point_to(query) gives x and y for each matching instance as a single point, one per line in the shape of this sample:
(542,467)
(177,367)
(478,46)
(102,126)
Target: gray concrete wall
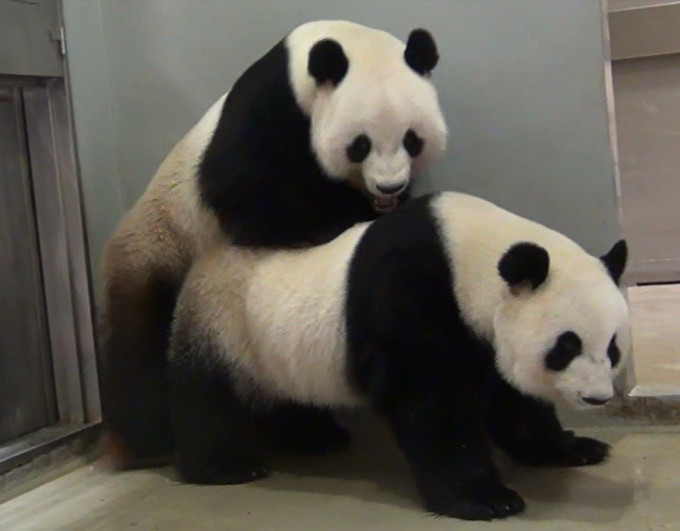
(521,81)
(94,120)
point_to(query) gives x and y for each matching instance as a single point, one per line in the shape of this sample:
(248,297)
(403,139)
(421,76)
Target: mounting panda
(323,131)
(452,317)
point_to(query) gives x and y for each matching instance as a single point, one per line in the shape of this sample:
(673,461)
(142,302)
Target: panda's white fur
(458,322)
(169,222)
(578,296)
(279,316)
(383,110)
(260,168)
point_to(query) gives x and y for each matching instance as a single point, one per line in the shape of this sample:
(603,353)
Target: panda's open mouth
(381,202)
(385,203)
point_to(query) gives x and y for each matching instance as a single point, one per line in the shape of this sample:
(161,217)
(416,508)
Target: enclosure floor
(365,488)
(655,317)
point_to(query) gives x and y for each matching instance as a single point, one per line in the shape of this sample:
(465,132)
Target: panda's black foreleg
(301,429)
(450,460)
(530,432)
(215,433)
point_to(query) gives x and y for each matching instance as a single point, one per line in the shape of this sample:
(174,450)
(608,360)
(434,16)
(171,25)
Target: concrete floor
(365,488)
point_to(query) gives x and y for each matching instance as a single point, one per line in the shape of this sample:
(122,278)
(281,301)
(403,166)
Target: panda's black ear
(524,264)
(615,260)
(421,52)
(327,62)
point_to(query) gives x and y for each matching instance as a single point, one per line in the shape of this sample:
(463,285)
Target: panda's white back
(177,184)
(170,209)
(279,320)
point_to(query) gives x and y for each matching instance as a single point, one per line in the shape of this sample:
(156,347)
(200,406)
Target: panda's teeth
(384,204)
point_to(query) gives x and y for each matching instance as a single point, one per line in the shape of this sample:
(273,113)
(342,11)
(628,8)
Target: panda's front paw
(481,501)
(565,451)
(583,451)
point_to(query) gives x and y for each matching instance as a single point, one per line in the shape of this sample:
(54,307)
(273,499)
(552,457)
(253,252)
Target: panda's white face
(375,116)
(567,339)
(381,132)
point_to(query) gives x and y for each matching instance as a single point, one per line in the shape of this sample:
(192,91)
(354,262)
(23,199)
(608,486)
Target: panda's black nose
(390,189)
(595,401)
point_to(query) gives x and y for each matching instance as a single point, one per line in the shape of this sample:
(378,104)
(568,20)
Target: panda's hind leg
(216,435)
(301,429)
(134,329)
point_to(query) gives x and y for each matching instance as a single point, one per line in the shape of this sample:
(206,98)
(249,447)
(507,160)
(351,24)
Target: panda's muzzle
(385,204)
(393,189)
(388,197)
(594,401)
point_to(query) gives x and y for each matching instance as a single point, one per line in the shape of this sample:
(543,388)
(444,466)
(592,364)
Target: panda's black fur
(410,353)
(260,154)
(246,173)
(407,387)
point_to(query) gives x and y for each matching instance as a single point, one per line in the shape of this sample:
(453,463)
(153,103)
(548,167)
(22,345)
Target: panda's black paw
(566,451)
(485,501)
(243,472)
(585,451)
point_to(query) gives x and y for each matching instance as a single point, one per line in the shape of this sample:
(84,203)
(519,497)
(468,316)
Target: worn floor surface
(366,488)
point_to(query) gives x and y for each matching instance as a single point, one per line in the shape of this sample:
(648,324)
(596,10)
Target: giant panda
(323,131)
(459,322)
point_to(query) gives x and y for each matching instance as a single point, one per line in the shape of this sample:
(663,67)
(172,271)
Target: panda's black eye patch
(413,143)
(359,149)
(613,352)
(567,347)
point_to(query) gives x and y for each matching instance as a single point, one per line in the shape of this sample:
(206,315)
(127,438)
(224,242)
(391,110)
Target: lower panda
(459,322)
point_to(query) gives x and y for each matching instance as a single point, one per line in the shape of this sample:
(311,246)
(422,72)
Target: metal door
(27,40)
(26,390)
